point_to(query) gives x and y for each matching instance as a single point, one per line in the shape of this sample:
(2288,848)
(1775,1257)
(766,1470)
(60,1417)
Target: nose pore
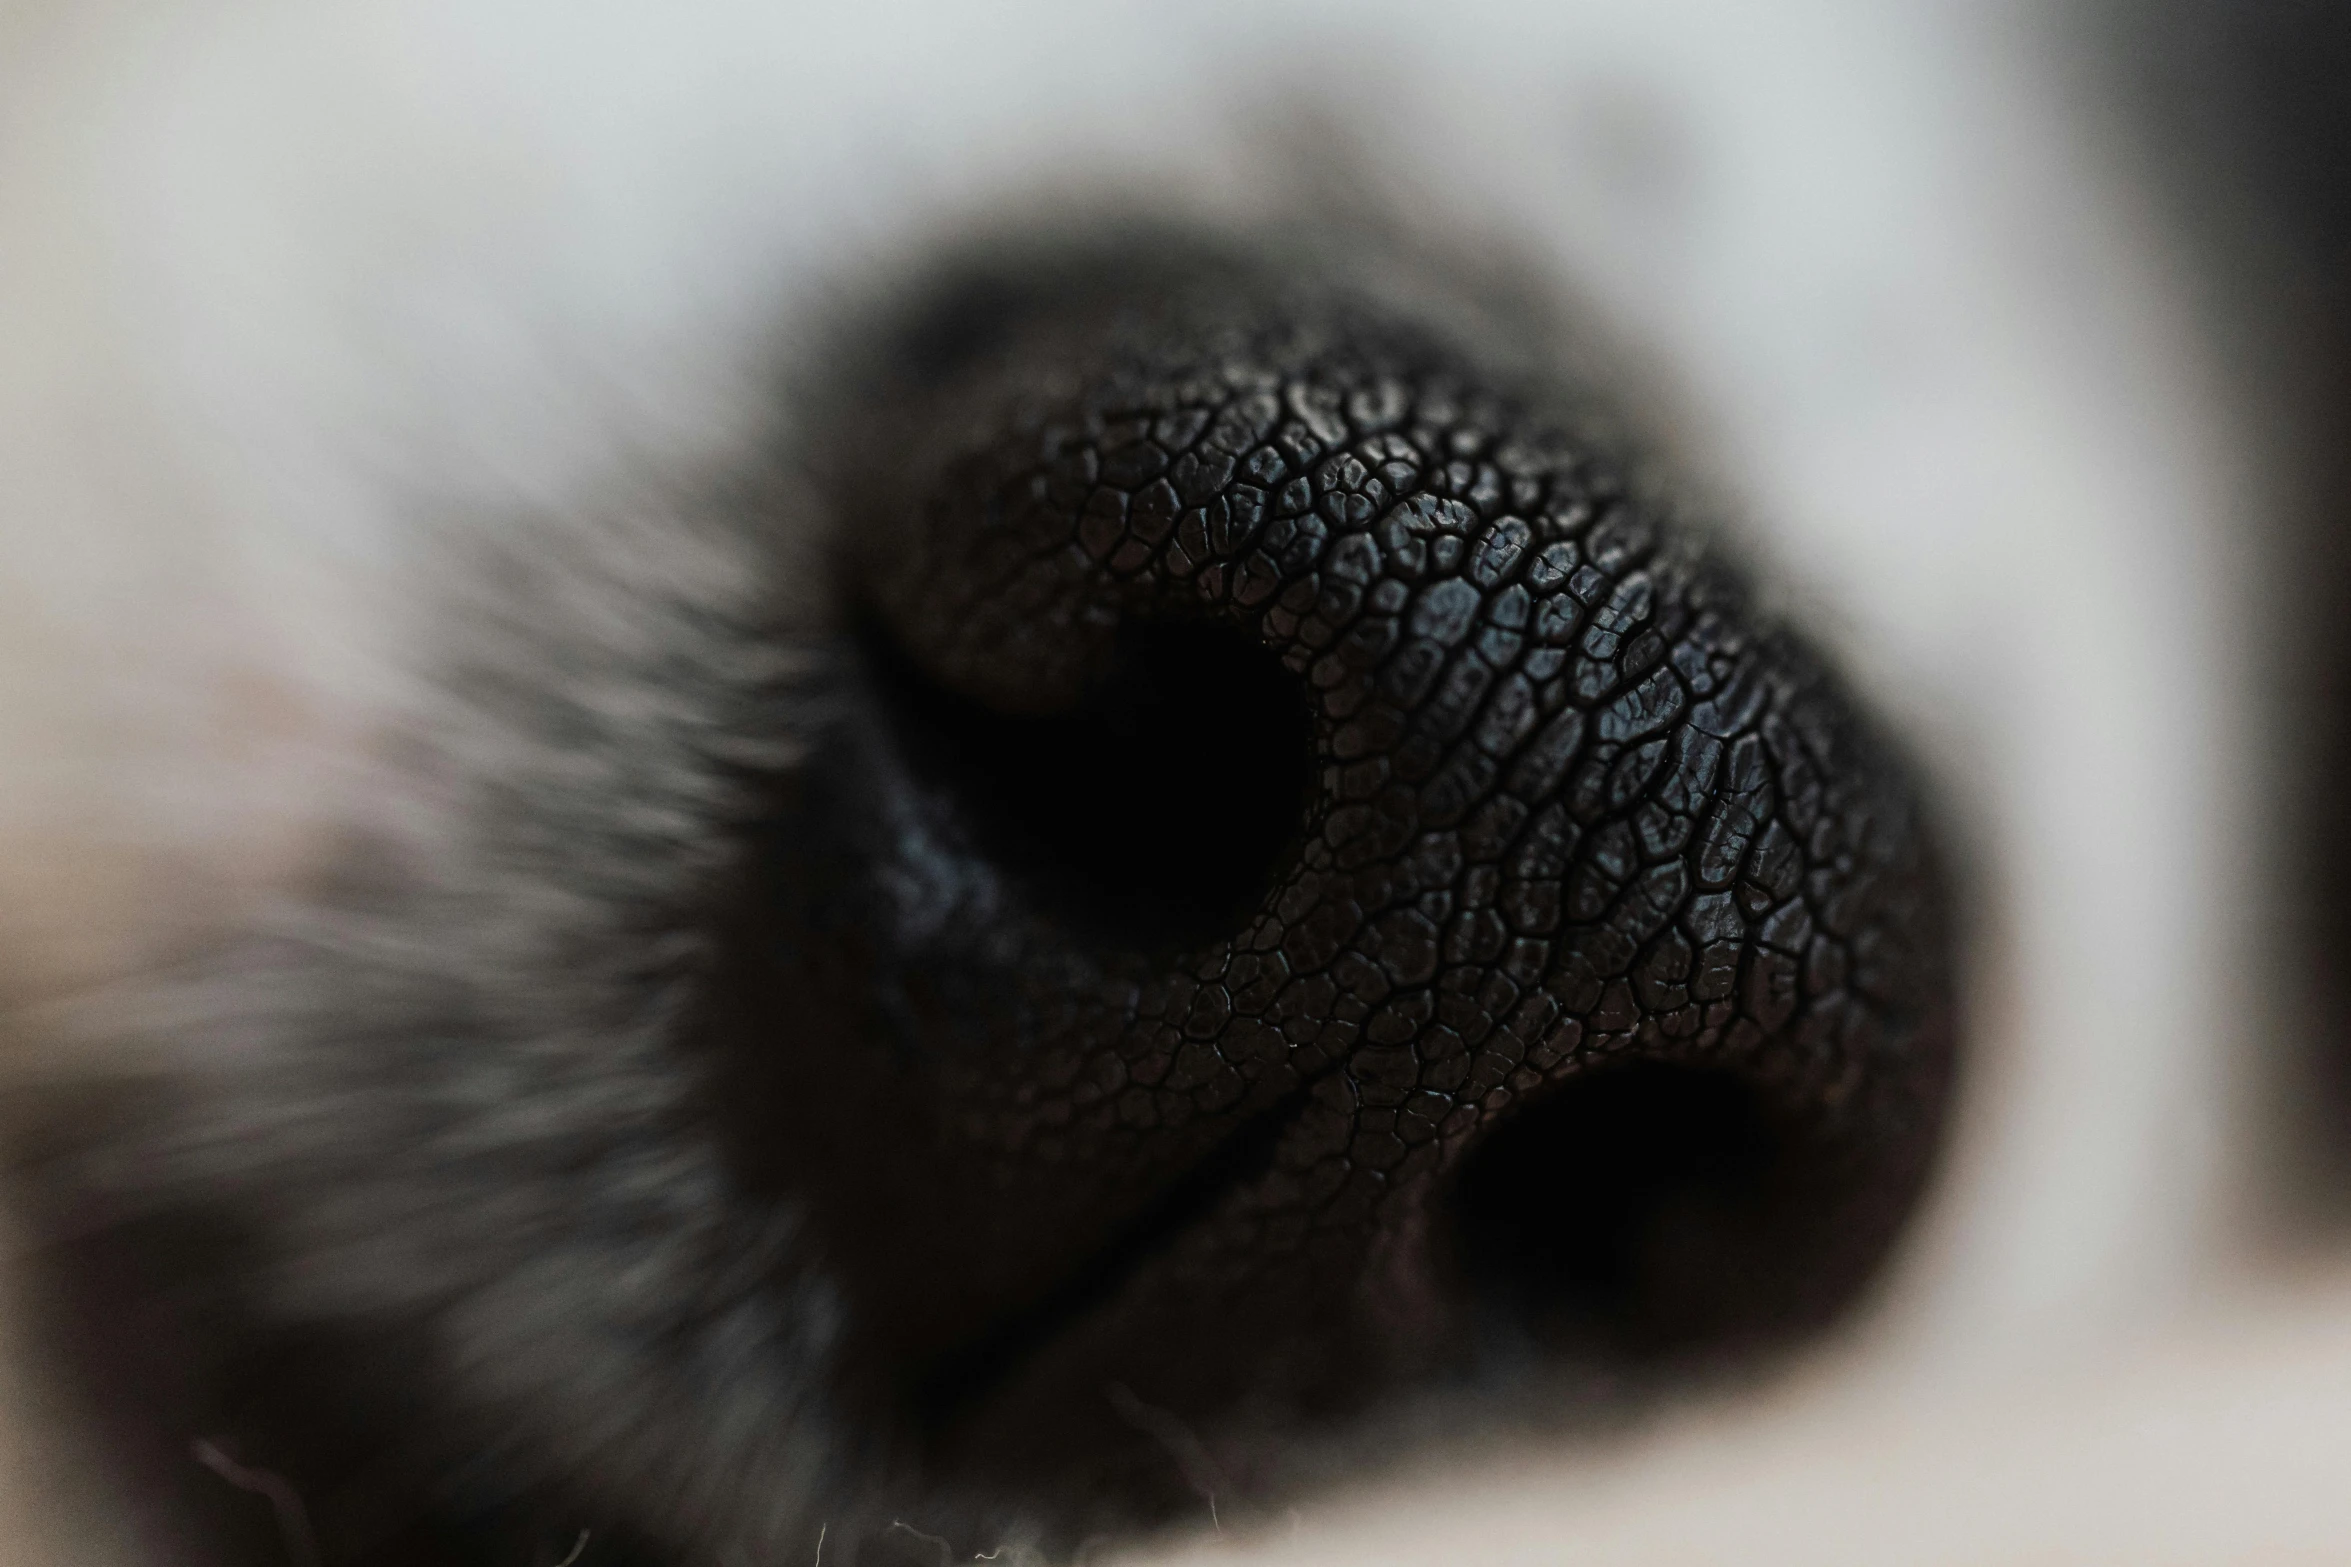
(1317,874)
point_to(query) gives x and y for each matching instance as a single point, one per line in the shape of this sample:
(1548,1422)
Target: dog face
(919,778)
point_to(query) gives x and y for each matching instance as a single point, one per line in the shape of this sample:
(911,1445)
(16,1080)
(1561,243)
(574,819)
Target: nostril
(1642,1210)
(1154,813)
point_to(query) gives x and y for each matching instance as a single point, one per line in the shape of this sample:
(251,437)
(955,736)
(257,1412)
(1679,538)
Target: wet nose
(1315,879)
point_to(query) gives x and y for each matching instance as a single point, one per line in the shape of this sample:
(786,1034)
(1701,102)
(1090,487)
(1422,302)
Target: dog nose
(1315,878)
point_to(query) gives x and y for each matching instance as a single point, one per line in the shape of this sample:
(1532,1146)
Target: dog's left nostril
(1156,811)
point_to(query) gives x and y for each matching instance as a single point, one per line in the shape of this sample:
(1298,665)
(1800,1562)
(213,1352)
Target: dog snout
(1319,879)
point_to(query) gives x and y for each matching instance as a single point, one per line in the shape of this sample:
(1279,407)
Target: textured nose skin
(1552,799)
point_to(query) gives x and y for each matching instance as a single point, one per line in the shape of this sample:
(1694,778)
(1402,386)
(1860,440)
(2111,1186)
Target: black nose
(1316,882)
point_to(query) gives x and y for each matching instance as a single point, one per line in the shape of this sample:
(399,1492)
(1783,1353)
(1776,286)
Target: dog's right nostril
(1643,1211)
